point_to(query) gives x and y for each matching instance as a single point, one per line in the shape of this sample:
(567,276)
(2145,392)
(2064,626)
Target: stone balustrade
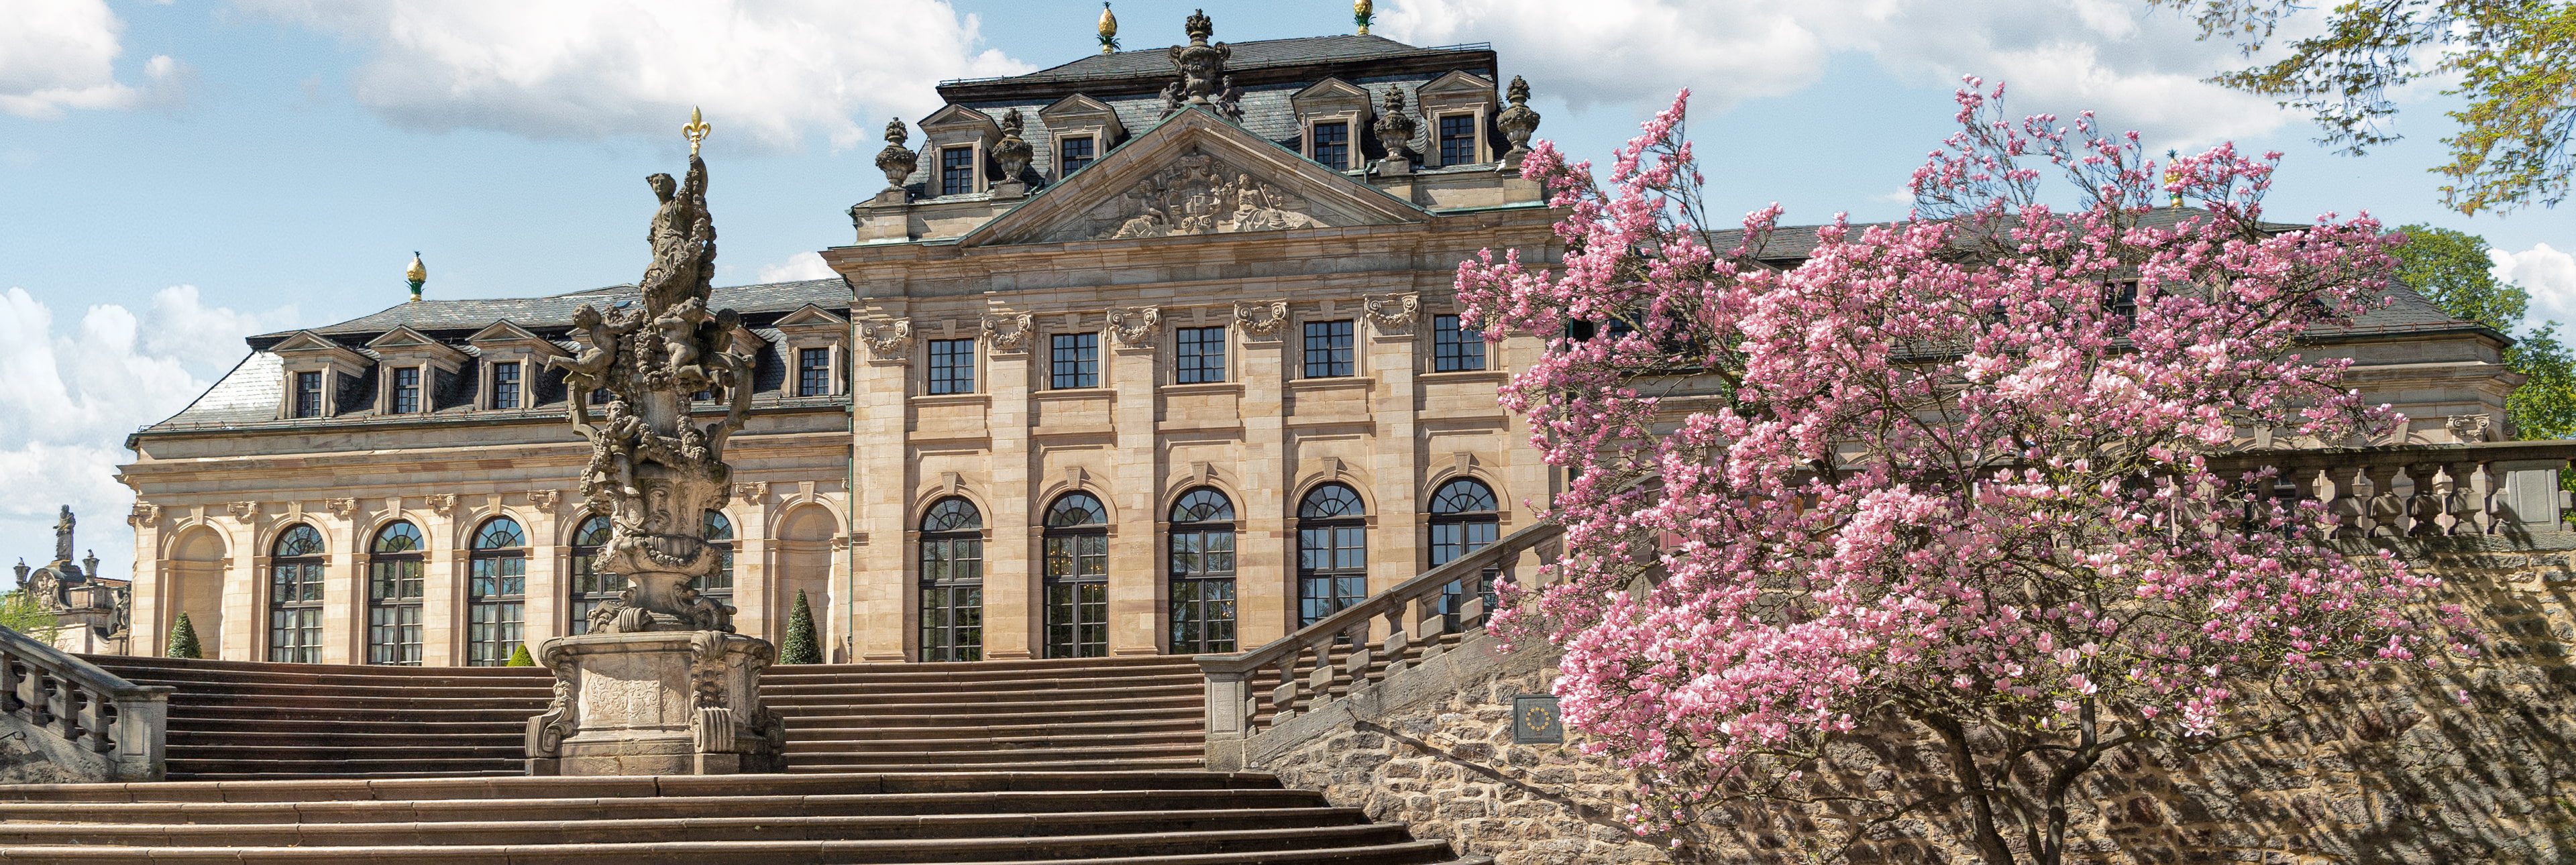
(2501,489)
(1368,641)
(79,723)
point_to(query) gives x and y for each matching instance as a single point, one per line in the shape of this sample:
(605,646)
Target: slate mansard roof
(253,390)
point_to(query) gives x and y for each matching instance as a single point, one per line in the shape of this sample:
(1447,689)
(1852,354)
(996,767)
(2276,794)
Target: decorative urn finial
(2173,176)
(418,274)
(1198,27)
(1108,29)
(1363,12)
(1394,129)
(1011,151)
(1517,122)
(896,160)
(695,131)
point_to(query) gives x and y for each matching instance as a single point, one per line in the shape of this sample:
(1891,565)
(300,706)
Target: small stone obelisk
(661,685)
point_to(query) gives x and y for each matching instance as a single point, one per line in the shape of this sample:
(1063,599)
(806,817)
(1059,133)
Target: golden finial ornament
(1108,29)
(418,274)
(1362,12)
(696,131)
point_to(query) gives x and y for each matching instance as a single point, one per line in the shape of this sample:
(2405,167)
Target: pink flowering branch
(1954,469)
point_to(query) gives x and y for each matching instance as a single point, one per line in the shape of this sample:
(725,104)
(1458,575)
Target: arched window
(590,585)
(1202,569)
(1464,518)
(394,568)
(1077,577)
(496,593)
(952,582)
(1332,552)
(718,585)
(295,597)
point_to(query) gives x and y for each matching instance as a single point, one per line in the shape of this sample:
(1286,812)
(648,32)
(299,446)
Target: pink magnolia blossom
(1942,469)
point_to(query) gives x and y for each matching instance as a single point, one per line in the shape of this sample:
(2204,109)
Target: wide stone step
(324,700)
(1246,851)
(681,829)
(1034,761)
(847,784)
(470,691)
(184,716)
(773,683)
(645,807)
(291,731)
(1017,736)
(1092,708)
(809,715)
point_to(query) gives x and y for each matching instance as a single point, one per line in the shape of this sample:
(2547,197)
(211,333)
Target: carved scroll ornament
(888,341)
(1392,313)
(1010,333)
(1259,320)
(1134,326)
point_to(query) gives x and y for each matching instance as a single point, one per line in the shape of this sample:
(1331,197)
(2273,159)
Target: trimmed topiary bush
(800,647)
(183,640)
(519,657)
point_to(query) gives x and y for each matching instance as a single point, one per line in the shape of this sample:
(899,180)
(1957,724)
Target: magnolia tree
(1953,471)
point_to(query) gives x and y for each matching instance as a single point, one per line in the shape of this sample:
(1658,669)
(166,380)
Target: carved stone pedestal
(656,703)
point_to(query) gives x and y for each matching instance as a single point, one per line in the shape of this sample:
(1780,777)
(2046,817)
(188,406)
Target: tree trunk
(1981,806)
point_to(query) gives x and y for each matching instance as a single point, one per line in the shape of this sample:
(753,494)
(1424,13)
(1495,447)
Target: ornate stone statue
(1197,194)
(63,535)
(896,160)
(1202,67)
(1394,129)
(1011,151)
(1517,122)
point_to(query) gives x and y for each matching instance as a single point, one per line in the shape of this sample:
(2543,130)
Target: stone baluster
(2424,506)
(2482,501)
(1319,681)
(1283,699)
(1393,647)
(2459,494)
(2384,515)
(13,677)
(2338,487)
(40,697)
(1356,662)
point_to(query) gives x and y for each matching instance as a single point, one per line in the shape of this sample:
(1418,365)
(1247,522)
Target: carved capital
(1392,314)
(441,503)
(2467,427)
(1261,320)
(545,500)
(341,508)
(1134,327)
(144,514)
(887,342)
(244,511)
(1009,334)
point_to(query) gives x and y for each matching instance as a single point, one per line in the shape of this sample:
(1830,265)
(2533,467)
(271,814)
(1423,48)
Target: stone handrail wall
(80,723)
(1366,642)
(2491,488)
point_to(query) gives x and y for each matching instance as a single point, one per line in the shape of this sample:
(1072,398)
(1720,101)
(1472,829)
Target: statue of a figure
(63,536)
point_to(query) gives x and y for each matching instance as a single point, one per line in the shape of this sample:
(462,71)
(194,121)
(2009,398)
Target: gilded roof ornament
(1363,12)
(1108,29)
(417,274)
(695,131)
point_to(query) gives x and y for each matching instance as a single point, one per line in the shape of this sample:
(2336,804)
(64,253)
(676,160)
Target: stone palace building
(1114,366)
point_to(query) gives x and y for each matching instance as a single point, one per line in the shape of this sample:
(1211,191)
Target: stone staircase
(1093,817)
(243,720)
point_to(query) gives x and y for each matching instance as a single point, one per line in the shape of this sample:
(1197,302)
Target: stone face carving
(441,503)
(1261,320)
(1394,129)
(896,160)
(653,470)
(1517,123)
(1009,334)
(888,341)
(1198,194)
(1134,326)
(1202,67)
(1392,313)
(1011,151)
(144,514)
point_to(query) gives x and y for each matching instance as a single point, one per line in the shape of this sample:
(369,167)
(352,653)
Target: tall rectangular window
(1076,360)
(1333,145)
(1077,153)
(308,394)
(406,390)
(1454,347)
(505,385)
(496,609)
(1328,349)
(393,611)
(956,170)
(813,372)
(1457,139)
(952,366)
(1199,355)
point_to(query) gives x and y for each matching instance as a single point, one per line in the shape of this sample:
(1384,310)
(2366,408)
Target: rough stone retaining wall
(2392,769)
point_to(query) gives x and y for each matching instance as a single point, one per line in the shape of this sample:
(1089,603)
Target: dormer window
(956,170)
(1457,139)
(406,391)
(813,372)
(1075,153)
(1332,145)
(505,385)
(308,394)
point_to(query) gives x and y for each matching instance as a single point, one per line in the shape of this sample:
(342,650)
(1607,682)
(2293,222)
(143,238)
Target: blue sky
(184,173)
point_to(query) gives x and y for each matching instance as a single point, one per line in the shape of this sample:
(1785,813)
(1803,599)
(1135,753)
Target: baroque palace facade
(1151,352)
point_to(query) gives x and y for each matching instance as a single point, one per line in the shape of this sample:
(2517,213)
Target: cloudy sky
(182,173)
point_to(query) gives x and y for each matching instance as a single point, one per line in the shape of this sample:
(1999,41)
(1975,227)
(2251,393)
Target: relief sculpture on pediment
(1198,194)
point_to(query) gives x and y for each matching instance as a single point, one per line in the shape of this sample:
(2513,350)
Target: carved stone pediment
(1198,194)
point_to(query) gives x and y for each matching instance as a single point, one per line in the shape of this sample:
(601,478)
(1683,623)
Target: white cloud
(61,54)
(71,397)
(2140,70)
(769,73)
(804,265)
(2550,276)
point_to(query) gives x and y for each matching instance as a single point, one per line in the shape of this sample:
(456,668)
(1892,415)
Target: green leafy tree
(20,612)
(800,647)
(2514,62)
(519,657)
(183,640)
(2452,269)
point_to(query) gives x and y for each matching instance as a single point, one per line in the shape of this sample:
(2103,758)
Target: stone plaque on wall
(1534,721)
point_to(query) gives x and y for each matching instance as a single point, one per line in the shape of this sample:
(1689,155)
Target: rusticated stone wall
(2392,768)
